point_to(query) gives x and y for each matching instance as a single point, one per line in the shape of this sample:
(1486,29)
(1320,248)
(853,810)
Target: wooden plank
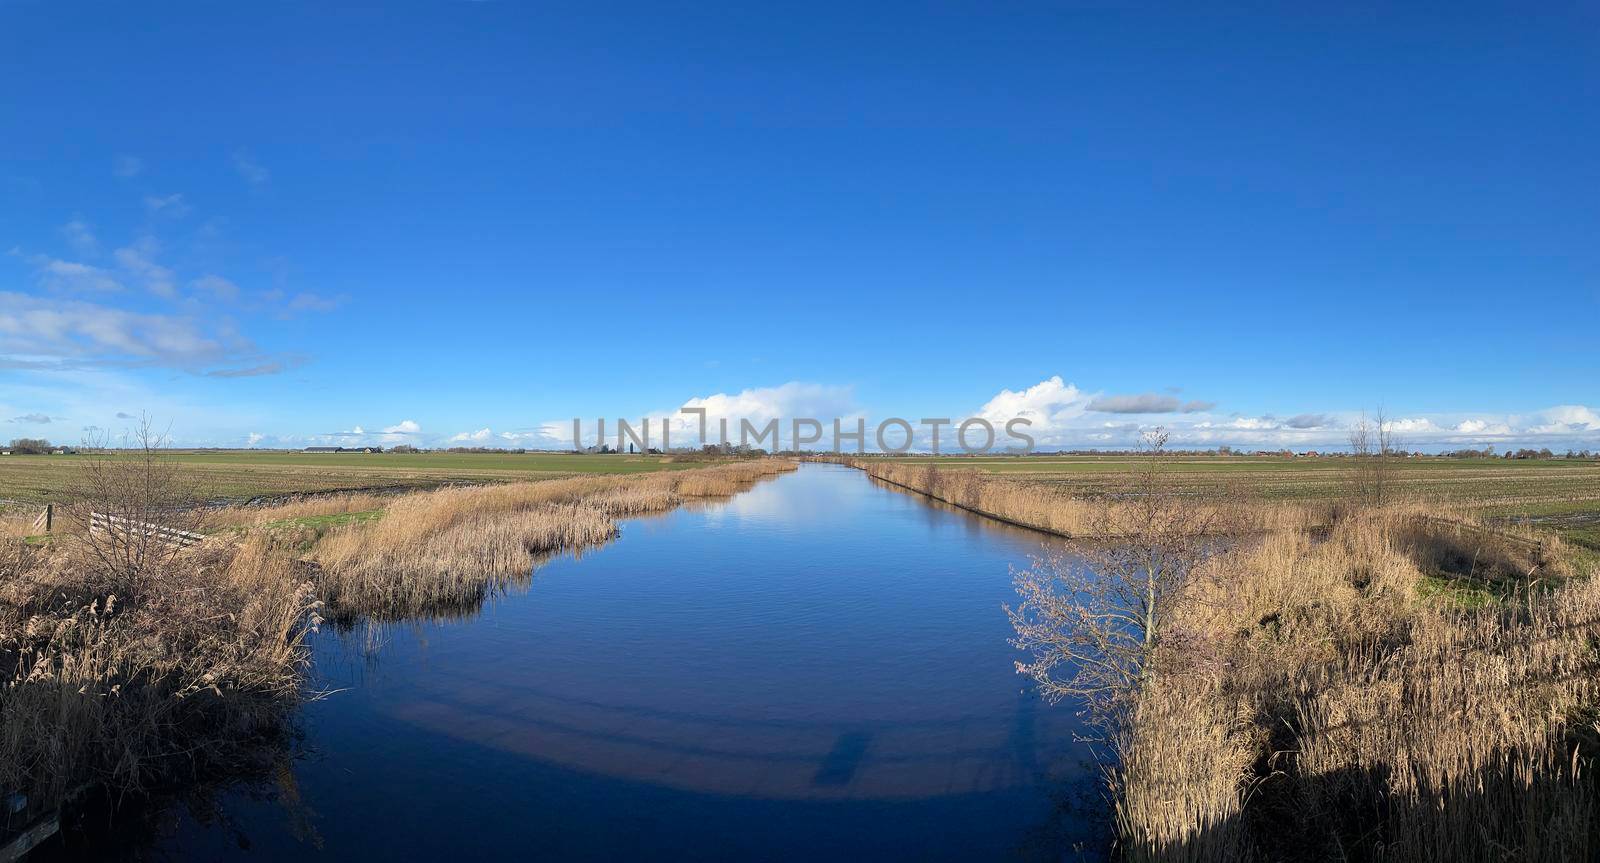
(110,524)
(30,839)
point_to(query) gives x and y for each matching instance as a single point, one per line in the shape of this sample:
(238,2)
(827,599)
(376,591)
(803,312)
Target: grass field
(244,474)
(1564,495)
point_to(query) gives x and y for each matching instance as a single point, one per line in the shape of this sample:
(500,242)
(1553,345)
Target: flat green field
(1564,494)
(244,474)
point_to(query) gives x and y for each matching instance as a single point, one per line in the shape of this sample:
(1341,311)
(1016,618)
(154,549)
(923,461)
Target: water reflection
(814,668)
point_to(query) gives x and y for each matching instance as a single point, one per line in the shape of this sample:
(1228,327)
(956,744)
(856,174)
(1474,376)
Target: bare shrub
(141,492)
(1096,623)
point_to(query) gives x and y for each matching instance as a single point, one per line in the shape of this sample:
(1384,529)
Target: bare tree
(1374,446)
(141,491)
(1095,621)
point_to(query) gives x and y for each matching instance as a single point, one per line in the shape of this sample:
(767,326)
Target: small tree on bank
(1097,621)
(139,488)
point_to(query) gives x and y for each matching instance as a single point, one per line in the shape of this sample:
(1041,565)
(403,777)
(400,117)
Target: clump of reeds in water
(447,550)
(152,672)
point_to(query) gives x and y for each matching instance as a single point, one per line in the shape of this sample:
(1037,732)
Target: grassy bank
(1333,702)
(446,550)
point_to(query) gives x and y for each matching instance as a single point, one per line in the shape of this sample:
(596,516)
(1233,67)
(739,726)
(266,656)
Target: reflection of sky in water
(816,666)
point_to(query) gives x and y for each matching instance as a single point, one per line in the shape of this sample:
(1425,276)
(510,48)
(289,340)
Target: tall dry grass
(1330,702)
(133,679)
(1052,508)
(444,552)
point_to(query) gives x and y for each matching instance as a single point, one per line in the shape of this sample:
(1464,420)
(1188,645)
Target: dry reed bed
(133,678)
(1052,508)
(1323,708)
(446,551)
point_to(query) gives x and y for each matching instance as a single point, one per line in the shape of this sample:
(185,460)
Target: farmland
(1559,493)
(246,474)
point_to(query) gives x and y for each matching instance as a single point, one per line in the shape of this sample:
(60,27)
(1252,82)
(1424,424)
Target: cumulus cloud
(1049,404)
(403,427)
(474,437)
(254,438)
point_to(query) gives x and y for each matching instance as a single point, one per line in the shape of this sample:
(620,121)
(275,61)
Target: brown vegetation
(1054,508)
(1398,683)
(445,551)
(127,663)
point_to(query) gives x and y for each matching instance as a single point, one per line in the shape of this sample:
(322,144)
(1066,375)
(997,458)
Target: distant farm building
(343,449)
(65,450)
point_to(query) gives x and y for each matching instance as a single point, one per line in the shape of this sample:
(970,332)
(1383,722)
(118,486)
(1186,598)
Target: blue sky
(271,223)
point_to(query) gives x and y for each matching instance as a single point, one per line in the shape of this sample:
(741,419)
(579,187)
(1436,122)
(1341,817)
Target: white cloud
(1052,406)
(254,438)
(312,302)
(81,237)
(36,331)
(476,437)
(216,286)
(71,277)
(139,260)
(128,166)
(251,170)
(1064,416)
(403,427)
(167,205)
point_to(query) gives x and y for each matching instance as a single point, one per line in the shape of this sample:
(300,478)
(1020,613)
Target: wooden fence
(106,523)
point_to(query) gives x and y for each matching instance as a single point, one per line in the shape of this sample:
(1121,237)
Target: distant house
(324,449)
(65,450)
(5,452)
(343,449)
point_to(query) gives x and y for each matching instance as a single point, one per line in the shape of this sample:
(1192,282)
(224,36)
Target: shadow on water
(812,669)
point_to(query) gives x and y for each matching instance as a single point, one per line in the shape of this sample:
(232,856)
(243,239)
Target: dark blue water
(817,668)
